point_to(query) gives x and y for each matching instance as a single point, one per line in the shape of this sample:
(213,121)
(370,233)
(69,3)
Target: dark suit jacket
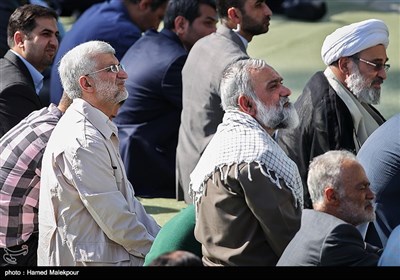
(324,240)
(325,124)
(18,97)
(148,121)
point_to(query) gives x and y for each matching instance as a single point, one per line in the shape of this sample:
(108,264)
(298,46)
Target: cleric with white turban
(353,38)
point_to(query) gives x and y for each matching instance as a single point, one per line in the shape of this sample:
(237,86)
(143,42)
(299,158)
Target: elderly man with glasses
(335,107)
(88,213)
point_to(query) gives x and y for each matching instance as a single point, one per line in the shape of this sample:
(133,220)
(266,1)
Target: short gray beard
(350,214)
(104,90)
(277,117)
(357,85)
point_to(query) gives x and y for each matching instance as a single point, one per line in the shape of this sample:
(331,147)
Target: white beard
(277,117)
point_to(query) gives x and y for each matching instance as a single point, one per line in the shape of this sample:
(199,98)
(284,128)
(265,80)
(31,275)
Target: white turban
(353,38)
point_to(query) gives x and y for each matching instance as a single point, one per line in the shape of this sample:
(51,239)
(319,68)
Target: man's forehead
(43,23)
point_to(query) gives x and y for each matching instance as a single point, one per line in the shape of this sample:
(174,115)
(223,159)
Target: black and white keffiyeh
(240,138)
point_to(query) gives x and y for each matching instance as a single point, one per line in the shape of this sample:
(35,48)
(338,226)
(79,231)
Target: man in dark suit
(33,41)
(148,122)
(342,199)
(201,75)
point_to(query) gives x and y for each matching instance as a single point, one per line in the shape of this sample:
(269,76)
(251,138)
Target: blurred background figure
(391,254)
(74,8)
(305,10)
(7,7)
(380,157)
(118,22)
(149,120)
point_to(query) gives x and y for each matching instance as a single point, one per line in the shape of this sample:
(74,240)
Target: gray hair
(78,62)
(325,170)
(236,80)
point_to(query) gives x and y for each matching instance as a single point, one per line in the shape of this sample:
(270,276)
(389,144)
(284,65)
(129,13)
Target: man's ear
(234,15)
(180,24)
(331,195)
(343,65)
(247,105)
(19,39)
(85,83)
(144,4)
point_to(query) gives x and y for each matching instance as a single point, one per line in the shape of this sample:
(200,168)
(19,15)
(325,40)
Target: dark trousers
(20,255)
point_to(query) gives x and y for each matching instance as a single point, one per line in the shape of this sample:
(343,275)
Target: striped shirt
(21,152)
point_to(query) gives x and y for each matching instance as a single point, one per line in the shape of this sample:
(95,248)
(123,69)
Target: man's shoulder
(216,42)
(317,83)
(318,218)
(214,50)
(45,116)
(155,44)
(9,64)
(111,14)
(316,89)
(13,77)
(8,67)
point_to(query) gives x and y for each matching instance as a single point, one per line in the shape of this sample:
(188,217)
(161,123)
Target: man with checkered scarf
(248,194)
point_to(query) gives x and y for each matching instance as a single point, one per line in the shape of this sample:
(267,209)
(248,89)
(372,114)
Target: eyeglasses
(112,68)
(377,66)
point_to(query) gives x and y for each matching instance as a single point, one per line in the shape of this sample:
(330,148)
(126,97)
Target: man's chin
(122,96)
(291,122)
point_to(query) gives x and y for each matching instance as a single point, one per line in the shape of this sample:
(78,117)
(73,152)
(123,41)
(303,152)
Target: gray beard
(354,216)
(105,90)
(357,85)
(277,117)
